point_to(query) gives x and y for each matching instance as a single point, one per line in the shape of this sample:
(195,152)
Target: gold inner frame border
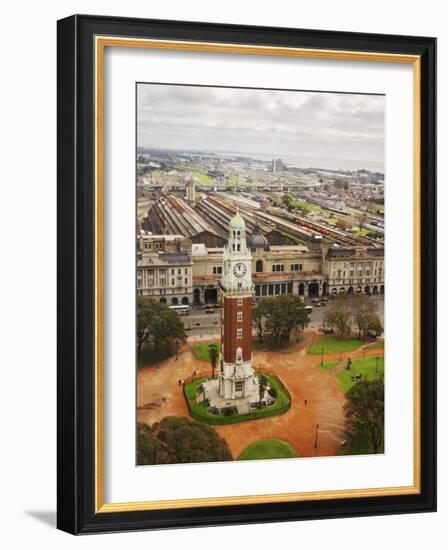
(101,42)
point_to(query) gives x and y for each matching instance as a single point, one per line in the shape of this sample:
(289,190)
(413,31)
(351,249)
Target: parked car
(327,330)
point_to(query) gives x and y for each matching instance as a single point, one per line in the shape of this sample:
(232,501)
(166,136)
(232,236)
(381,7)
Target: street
(200,324)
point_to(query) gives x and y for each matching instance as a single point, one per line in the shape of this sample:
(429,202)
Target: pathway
(159,394)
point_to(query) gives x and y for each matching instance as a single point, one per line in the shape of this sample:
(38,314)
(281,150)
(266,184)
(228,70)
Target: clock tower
(236,377)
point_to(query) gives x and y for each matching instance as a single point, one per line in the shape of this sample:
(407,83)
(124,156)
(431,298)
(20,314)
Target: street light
(317,431)
(322,357)
(376,367)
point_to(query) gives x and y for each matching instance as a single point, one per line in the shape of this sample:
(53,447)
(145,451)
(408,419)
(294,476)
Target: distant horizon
(330,163)
(328,126)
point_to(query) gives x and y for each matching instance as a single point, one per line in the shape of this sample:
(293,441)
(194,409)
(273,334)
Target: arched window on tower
(259,266)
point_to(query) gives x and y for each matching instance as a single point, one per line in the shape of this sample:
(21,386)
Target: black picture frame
(76,254)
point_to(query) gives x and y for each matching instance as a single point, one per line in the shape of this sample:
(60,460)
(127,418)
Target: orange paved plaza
(159,394)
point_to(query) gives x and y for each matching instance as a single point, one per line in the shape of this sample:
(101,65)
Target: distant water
(315,162)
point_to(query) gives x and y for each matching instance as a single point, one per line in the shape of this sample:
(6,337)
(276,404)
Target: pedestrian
(349,363)
(306,401)
(179,382)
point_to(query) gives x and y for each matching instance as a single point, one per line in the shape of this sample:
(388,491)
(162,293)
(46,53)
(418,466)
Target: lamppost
(317,431)
(177,349)
(376,367)
(322,357)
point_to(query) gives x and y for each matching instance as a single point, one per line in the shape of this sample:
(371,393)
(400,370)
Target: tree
(176,440)
(157,323)
(374,324)
(338,316)
(280,315)
(262,385)
(362,220)
(343,224)
(304,209)
(362,311)
(258,317)
(341,184)
(287,200)
(146,311)
(213,353)
(365,410)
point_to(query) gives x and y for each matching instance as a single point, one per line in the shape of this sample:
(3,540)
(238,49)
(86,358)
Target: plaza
(317,397)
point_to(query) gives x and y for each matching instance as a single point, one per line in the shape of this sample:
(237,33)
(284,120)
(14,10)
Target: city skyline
(344,128)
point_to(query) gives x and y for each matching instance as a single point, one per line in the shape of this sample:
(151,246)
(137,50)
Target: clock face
(239,270)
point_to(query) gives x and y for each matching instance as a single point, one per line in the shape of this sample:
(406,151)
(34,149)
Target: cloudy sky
(275,123)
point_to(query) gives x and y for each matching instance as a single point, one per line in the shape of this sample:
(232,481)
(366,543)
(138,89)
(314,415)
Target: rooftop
(237,222)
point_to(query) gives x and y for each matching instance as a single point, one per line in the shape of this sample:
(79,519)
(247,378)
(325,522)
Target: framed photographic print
(246,271)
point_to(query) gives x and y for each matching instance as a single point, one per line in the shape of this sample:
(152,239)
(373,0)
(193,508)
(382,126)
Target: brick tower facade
(236,377)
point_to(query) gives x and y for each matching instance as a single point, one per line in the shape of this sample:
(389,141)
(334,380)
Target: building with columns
(353,270)
(165,269)
(276,269)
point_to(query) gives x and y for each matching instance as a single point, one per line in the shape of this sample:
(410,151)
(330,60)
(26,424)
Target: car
(318,304)
(323,304)
(314,300)
(324,298)
(209,310)
(327,330)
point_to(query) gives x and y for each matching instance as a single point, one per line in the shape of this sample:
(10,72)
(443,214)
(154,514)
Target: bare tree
(339,316)
(362,309)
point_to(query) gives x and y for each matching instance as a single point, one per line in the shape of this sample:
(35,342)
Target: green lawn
(333,344)
(360,446)
(306,206)
(267,448)
(191,389)
(235,180)
(202,178)
(201,351)
(365,366)
(328,365)
(376,345)
(199,410)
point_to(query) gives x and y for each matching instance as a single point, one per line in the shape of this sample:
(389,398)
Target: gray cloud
(288,123)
